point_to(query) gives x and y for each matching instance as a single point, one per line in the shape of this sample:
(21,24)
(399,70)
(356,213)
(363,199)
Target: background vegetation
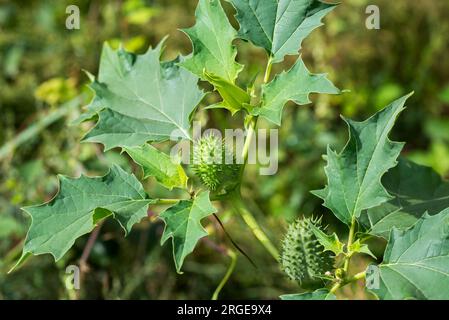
(41,65)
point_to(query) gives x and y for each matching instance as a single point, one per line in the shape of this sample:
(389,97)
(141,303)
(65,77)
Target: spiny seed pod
(303,258)
(214,163)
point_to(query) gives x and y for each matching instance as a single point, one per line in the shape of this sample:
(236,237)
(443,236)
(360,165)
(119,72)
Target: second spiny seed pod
(215,164)
(303,257)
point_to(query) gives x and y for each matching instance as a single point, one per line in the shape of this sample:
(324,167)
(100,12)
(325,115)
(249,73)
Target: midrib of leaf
(261,26)
(429,268)
(127,202)
(344,189)
(114,65)
(410,281)
(216,37)
(220,61)
(161,111)
(183,107)
(406,250)
(418,265)
(78,218)
(188,229)
(222,53)
(182,224)
(387,287)
(162,106)
(427,204)
(399,195)
(401,207)
(187,224)
(383,136)
(136,132)
(53,235)
(291,33)
(383,218)
(285,89)
(82,191)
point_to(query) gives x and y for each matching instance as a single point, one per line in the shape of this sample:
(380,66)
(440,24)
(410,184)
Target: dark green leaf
(140,99)
(294,85)
(78,206)
(279,26)
(416,190)
(416,261)
(183,225)
(354,175)
(212,38)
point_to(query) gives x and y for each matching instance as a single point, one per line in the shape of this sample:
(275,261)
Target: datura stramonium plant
(142,101)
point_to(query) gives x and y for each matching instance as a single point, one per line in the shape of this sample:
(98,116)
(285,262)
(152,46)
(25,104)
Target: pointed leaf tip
(56,225)
(183,225)
(267,23)
(354,175)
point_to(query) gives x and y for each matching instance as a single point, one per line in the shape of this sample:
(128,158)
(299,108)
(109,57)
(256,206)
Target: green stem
(335,287)
(249,139)
(249,219)
(356,277)
(348,256)
(238,204)
(266,78)
(350,241)
(227,275)
(253,122)
(163,202)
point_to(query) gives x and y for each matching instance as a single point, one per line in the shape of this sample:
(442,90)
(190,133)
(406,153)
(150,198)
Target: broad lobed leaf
(416,190)
(279,26)
(354,175)
(416,261)
(294,85)
(183,225)
(212,38)
(78,206)
(140,99)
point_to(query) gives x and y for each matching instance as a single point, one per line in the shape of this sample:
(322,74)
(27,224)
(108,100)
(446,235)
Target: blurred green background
(41,67)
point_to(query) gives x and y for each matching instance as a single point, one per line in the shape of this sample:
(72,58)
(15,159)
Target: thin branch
(88,248)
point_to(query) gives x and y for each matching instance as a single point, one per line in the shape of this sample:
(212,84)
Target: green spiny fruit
(303,257)
(214,163)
